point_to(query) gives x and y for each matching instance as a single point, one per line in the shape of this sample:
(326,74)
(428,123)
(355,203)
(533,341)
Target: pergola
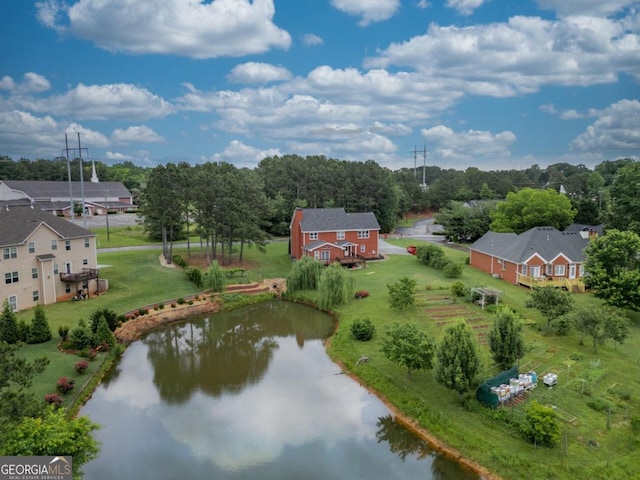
(486,295)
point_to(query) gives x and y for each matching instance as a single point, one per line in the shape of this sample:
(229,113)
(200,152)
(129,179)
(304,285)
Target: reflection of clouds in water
(295,403)
(135,385)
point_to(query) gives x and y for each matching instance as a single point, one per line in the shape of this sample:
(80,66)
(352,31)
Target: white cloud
(369,10)
(586,7)
(311,39)
(449,146)
(520,56)
(254,72)
(242,155)
(423,4)
(195,29)
(99,102)
(136,134)
(117,156)
(24,134)
(465,7)
(617,127)
(32,83)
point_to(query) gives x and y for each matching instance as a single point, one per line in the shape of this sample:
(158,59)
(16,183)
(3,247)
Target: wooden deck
(574,285)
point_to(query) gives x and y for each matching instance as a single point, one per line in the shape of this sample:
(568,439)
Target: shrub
(113,319)
(458,289)
(81,366)
(173,305)
(190,302)
(53,398)
(194,275)
(452,270)
(63,331)
(178,260)
(143,311)
(161,306)
(600,404)
(65,384)
(180,301)
(80,337)
(541,425)
(363,329)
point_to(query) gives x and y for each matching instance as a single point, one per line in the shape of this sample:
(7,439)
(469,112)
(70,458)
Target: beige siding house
(43,258)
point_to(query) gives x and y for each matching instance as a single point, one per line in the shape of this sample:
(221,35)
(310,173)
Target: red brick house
(539,256)
(331,234)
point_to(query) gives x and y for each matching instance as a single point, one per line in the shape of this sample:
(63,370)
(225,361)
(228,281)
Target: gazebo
(485,296)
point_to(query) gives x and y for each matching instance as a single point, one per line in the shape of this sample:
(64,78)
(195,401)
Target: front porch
(574,285)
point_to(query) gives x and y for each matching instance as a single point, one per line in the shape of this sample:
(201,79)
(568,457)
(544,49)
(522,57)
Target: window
(316,255)
(36,295)
(34,273)
(559,270)
(340,235)
(67,288)
(503,265)
(87,243)
(55,268)
(325,254)
(524,270)
(581,270)
(363,233)
(363,248)
(85,261)
(548,271)
(11,277)
(32,247)
(313,235)
(9,252)
(13,303)
(67,245)
(54,244)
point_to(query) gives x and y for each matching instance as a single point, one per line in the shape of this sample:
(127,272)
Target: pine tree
(8,324)
(104,336)
(39,331)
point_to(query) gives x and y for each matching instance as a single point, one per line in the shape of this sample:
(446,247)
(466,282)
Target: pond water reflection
(248,394)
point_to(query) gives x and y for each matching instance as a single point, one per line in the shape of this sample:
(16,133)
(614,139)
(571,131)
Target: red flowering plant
(65,384)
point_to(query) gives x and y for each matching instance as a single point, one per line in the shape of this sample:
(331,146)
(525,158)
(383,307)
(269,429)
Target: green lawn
(611,379)
(611,376)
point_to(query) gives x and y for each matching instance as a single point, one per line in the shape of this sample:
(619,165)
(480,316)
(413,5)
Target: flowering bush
(81,366)
(66,384)
(53,398)
(173,305)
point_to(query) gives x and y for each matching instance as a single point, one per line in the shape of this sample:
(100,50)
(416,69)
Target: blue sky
(495,84)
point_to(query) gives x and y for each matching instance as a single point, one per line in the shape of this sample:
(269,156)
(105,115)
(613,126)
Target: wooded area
(248,205)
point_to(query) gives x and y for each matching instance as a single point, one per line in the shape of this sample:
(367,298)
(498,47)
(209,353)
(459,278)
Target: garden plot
(444,315)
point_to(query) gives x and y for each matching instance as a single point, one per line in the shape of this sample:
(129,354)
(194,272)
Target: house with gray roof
(58,196)
(332,234)
(539,256)
(45,259)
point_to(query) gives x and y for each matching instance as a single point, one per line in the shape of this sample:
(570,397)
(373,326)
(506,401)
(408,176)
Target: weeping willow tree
(304,274)
(215,279)
(335,286)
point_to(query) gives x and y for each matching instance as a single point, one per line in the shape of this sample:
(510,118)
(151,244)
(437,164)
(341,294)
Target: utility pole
(424,165)
(66,151)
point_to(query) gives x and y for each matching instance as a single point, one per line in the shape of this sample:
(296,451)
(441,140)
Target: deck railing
(571,284)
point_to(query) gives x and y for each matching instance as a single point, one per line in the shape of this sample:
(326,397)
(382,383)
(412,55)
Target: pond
(249,394)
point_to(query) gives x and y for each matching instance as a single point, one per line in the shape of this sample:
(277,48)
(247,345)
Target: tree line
(606,194)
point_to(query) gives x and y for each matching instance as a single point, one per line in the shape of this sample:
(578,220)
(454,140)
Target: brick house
(539,256)
(45,259)
(332,234)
